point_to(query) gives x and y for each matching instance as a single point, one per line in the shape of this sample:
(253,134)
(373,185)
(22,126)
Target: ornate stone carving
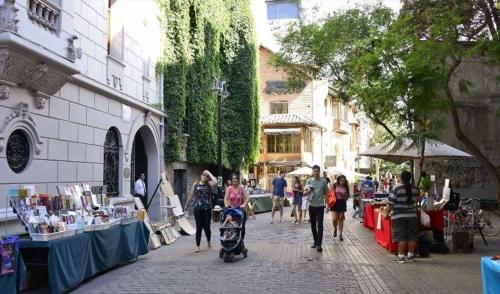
(8,16)
(35,77)
(147,118)
(4,62)
(40,99)
(4,92)
(20,118)
(71,48)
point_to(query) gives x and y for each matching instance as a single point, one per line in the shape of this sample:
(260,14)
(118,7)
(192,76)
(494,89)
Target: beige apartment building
(303,126)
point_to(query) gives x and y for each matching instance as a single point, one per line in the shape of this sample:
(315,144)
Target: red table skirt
(383,234)
(368,220)
(437,220)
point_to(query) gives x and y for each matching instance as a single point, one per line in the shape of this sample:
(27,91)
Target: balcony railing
(45,13)
(340,126)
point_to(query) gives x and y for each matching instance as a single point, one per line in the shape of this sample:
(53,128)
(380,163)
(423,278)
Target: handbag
(286,203)
(425,219)
(332,199)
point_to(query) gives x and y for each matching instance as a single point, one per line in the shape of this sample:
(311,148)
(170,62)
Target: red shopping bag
(331,198)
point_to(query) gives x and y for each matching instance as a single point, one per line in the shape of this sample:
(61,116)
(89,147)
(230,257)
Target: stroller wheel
(228,257)
(245,252)
(221,253)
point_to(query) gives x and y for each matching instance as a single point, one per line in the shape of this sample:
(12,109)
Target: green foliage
(207,39)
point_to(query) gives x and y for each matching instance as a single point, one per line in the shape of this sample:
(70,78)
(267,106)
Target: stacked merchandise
(75,210)
(9,246)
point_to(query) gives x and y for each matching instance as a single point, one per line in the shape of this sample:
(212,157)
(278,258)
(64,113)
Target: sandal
(197,250)
(341,239)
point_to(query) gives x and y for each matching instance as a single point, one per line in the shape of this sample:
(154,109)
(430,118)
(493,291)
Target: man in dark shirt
(278,192)
(325,176)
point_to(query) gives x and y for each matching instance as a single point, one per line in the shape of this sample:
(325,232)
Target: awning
(289,131)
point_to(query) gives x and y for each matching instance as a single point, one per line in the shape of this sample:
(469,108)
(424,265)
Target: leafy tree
(399,70)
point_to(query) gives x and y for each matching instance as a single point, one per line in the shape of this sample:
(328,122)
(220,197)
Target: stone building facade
(80,101)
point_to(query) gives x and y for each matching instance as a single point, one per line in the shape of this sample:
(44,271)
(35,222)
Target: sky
(267,30)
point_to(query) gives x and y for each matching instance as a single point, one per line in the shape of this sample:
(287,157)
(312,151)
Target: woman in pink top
(342,194)
(237,197)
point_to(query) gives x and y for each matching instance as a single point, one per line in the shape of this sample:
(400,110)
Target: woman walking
(237,197)
(341,188)
(298,192)
(305,201)
(202,194)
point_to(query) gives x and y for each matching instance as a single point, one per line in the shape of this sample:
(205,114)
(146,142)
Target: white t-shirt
(140,187)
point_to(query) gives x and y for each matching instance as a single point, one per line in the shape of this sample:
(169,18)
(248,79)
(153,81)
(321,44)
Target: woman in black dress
(341,188)
(298,191)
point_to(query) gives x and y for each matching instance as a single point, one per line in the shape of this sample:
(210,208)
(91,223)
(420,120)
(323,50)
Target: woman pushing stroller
(233,221)
(237,197)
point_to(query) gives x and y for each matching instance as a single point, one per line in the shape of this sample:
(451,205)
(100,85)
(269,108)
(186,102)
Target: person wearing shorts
(278,192)
(404,230)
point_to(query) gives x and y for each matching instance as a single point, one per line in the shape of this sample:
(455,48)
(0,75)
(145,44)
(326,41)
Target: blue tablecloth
(490,271)
(74,259)
(9,284)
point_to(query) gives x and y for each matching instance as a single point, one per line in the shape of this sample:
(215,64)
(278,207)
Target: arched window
(18,151)
(111,163)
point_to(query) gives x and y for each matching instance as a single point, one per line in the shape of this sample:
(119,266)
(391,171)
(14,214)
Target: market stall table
(490,272)
(383,232)
(261,202)
(10,284)
(73,259)
(368,216)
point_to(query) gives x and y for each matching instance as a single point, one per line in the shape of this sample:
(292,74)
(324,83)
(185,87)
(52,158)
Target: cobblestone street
(281,261)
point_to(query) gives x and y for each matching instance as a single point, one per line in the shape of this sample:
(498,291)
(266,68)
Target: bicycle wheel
(488,219)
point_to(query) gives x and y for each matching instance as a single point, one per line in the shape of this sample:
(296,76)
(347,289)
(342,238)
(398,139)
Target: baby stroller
(231,235)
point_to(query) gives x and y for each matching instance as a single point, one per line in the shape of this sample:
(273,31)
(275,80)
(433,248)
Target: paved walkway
(281,261)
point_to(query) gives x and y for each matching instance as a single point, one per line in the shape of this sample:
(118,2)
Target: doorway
(180,185)
(139,161)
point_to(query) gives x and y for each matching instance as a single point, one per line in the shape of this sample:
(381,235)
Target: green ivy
(207,38)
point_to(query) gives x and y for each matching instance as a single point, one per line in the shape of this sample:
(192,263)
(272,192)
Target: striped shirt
(401,208)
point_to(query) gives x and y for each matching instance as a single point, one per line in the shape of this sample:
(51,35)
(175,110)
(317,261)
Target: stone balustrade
(45,13)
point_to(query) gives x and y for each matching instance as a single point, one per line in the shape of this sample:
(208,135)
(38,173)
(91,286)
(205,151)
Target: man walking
(317,206)
(325,176)
(140,189)
(278,192)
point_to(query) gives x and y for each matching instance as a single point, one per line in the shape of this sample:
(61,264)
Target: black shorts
(340,206)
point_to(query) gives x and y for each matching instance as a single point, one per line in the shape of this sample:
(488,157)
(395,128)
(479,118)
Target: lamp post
(219,88)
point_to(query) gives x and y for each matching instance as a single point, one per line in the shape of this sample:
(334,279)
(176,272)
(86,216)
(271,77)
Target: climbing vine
(207,38)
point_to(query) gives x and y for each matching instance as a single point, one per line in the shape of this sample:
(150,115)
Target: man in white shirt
(140,189)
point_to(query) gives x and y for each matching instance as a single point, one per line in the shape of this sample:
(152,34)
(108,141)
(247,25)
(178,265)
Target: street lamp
(219,88)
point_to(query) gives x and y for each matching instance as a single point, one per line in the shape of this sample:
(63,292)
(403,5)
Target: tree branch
(381,123)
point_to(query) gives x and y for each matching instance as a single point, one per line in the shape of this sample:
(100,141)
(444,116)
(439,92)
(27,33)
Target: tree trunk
(421,164)
(471,147)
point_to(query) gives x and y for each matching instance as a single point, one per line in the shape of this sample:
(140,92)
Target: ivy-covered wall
(207,38)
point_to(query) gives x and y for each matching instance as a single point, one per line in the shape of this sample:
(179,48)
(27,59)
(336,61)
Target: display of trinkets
(74,210)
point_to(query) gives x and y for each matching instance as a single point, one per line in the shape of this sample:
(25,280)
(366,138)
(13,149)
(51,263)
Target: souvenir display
(73,211)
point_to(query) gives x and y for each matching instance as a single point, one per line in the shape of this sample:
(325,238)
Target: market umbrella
(406,152)
(303,171)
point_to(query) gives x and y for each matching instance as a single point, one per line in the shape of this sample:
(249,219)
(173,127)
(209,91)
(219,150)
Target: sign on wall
(331,161)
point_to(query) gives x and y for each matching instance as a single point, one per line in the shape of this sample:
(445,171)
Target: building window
(111,162)
(280,107)
(282,9)
(18,151)
(283,144)
(116,35)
